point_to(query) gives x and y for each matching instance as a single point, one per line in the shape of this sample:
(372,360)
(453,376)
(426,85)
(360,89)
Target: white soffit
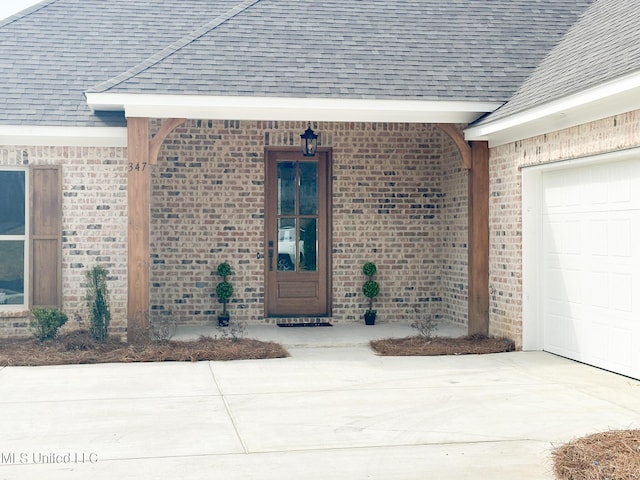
(611,98)
(63,136)
(296,109)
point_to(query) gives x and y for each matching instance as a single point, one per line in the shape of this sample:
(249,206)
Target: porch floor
(338,335)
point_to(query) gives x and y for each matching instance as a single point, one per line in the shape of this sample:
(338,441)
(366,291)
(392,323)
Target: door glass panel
(308,244)
(287,250)
(286,188)
(308,188)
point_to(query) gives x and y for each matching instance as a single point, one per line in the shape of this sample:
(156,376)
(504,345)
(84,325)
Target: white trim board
(63,136)
(608,99)
(293,109)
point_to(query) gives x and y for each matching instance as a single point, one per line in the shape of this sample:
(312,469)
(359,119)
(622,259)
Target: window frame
(24,306)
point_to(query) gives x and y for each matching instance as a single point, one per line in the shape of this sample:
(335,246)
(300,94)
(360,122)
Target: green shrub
(46,322)
(224,291)
(369,269)
(224,269)
(371,289)
(98,302)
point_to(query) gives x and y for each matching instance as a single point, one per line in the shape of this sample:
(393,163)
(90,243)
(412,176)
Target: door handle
(271,259)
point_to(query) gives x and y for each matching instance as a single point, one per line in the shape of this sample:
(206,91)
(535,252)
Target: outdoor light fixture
(309,142)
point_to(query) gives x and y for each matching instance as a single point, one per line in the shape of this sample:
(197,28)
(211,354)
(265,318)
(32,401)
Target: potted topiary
(224,291)
(370,289)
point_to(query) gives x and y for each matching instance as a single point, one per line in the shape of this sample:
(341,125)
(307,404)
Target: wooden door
(297,233)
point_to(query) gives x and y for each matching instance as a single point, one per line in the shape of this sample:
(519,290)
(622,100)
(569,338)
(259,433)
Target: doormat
(308,324)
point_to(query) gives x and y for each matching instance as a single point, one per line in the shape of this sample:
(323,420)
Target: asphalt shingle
(465,50)
(603,45)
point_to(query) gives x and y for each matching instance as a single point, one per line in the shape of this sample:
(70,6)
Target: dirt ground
(78,347)
(612,455)
(418,345)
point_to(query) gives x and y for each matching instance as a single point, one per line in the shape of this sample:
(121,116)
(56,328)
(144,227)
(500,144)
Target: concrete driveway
(324,413)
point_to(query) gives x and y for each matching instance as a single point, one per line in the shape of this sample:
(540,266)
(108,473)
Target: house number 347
(138,167)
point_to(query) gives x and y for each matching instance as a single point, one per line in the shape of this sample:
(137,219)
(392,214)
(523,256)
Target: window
(13,237)
(30,237)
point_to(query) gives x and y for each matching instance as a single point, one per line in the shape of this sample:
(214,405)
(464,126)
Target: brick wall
(399,199)
(505,216)
(390,185)
(94,225)
(455,234)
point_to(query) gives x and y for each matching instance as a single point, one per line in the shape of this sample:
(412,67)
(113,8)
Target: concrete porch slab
(338,335)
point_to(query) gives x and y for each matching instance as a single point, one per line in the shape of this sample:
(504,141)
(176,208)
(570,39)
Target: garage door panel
(621,346)
(554,285)
(590,264)
(620,191)
(622,292)
(573,284)
(554,333)
(620,238)
(593,188)
(614,349)
(552,238)
(599,290)
(573,339)
(597,237)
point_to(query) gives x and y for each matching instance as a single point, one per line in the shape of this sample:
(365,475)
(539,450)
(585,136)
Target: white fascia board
(296,109)
(63,136)
(611,98)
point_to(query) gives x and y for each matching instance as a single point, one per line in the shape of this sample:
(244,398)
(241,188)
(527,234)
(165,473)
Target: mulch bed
(79,348)
(602,456)
(417,346)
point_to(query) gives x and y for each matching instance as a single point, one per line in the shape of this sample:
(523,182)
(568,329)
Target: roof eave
(605,100)
(294,109)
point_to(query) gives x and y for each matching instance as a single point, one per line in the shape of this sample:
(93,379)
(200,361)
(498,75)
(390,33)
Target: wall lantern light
(309,142)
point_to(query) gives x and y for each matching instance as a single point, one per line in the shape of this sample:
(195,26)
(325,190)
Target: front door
(297,257)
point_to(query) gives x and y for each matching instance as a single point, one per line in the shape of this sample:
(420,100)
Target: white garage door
(590,264)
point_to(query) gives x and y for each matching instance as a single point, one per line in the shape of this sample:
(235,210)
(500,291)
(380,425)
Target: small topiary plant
(224,291)
(98,302)
(46,321)
(224,270)
(370,289)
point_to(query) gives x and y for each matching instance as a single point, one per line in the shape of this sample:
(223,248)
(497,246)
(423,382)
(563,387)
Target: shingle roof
(603,45)
(467,50)
(50,57)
